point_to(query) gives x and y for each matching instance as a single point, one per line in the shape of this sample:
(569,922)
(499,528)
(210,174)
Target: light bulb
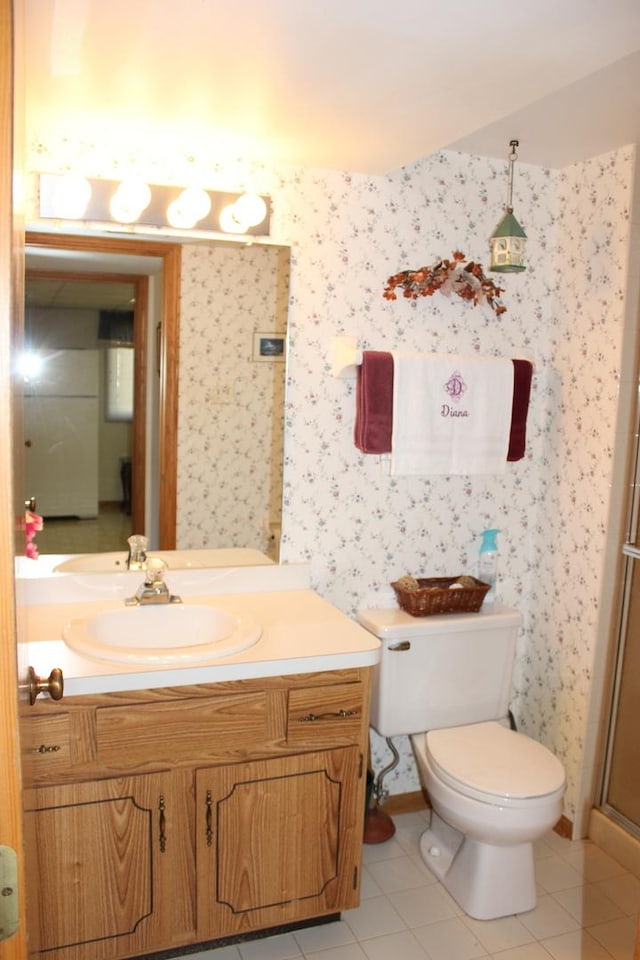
(71,196)
(30,365)
(229,221)
(192,205)
(250,209)
(132,197)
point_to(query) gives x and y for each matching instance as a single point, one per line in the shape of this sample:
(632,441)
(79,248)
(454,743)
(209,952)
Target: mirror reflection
(78,410)
(82,456)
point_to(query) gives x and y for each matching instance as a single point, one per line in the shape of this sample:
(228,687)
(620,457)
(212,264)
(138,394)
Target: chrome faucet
(137,558)
(153,589)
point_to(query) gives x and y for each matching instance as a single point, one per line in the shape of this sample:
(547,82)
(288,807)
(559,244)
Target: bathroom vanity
(167,806)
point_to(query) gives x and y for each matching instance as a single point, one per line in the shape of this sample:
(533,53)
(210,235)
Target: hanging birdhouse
(508,240)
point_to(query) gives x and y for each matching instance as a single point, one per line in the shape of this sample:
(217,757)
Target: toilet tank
(441,671)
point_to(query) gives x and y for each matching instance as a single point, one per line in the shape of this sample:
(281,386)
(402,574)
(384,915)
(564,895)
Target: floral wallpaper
(230,404)
(358,527)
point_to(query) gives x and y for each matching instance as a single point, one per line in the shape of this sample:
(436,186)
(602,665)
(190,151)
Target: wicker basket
(434,596)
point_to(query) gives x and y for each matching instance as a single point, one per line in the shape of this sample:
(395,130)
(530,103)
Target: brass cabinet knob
(53,685)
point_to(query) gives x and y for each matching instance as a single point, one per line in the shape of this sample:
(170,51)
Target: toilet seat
(490,763)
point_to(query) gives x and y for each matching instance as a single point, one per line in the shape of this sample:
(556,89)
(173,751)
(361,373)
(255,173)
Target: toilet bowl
(446,682)
(493,793)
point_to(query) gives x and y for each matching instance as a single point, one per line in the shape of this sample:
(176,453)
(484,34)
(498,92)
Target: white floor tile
(368,886)
(401,873)
(501,934)
(449,940)
(579,945)
(592,863)
(280,947)
(324,936)
(548,918)
(623,890)
(617,936)
(352,951)
(553,873)
(374,918)
(395,946)
(372,852)
(588,905)
(528,951)
(423,905)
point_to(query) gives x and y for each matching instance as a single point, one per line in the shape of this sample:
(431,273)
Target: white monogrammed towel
(451,414)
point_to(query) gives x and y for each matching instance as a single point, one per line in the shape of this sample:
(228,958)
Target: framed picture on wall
(268,346)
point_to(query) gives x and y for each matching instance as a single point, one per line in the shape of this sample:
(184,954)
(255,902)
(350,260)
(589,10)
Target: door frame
(140,286)
(168,345)
(11,299)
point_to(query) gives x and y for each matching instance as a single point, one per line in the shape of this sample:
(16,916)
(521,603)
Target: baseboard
(405,803)
(564,828)
(615,840)
(399,803)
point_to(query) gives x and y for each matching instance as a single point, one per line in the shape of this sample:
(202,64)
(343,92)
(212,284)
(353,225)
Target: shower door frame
(630,555)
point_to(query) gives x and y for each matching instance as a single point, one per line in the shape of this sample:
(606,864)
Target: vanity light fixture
(134,202)
(70,196)
(130,199)
(508,239)
(247,211)
(189,208)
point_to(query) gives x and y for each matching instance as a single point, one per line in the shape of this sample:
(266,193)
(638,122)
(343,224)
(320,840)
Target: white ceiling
(359,85)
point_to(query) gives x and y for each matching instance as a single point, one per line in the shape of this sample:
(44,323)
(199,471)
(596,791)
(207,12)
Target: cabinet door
(278,840)
(110,867)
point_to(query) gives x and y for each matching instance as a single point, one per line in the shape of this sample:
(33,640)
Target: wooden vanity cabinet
(176,816)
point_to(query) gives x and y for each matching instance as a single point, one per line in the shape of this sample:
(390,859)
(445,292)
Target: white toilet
(446,681)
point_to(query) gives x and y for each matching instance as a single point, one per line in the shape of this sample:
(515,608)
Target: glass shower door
(621,798)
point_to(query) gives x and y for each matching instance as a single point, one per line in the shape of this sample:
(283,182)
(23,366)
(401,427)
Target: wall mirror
(195,333)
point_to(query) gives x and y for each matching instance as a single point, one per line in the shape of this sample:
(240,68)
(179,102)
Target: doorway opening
(153,268)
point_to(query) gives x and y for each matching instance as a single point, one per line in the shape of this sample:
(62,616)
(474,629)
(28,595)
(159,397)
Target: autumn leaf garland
(465,279)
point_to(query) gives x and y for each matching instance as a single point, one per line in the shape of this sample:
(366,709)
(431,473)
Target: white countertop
(301,632)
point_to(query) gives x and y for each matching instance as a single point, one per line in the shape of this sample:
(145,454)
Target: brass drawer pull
(162,835)
(209,829)
(339,715)
(43,748)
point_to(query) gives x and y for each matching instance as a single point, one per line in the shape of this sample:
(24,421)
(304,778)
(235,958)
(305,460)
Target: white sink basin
(174,559)
(162,634)
(94,563)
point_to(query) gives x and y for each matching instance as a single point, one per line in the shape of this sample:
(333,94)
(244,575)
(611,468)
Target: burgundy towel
(522,373)
(374,403)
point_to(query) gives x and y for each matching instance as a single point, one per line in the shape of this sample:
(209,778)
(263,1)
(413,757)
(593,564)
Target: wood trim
(73,277)
(564,828)
(399,803)
(168,419)
(11,499)
(168,400)
(139,425)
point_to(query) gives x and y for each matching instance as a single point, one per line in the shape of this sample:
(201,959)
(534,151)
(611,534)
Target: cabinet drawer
(216,728)
(46,747)
(331,714)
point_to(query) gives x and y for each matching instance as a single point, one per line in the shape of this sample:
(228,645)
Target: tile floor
(587,910)
(108,531)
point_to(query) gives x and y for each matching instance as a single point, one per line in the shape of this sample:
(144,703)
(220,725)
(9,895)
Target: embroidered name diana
(447,411)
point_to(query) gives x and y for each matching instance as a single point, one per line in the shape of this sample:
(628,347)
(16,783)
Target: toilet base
(486,881)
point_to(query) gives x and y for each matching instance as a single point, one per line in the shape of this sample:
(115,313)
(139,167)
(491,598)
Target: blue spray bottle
(488,563)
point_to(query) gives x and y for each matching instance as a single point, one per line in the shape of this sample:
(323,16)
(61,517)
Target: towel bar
(346,357)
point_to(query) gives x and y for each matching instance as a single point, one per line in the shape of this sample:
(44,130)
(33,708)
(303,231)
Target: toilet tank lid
(490,759)
(392,623)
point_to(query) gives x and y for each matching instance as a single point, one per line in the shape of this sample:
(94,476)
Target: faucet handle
(137,552)
(156,568)
(138,542)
